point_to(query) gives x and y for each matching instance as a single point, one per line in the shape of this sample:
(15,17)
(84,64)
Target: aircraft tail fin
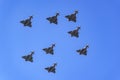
(22,21)
(44,49)
(67,16)
(70,32)
(47,68)
(48,18)
(77,50)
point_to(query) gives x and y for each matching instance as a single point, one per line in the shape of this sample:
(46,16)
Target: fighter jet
(53,19)
(51,68)
(49,49)
(28,57)
(83,50)
(27,22)
(74,33)
(72,17)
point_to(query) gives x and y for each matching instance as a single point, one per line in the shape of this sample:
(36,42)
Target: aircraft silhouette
(53,19)
(49,49)
(51,68)
(72,17)
(83,50)
(28,57)
(74,33)
(27,22)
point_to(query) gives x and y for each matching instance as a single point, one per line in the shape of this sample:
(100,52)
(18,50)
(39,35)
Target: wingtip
(87,46)
(76,12)
(31,17)
(78,27)
(32,52)
(53,45)
(55,64)
(57,14)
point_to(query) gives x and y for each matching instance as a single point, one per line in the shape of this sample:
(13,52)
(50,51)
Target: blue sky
(99,21)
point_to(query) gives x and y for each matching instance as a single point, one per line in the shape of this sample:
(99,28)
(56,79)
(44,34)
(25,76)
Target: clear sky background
(100,28)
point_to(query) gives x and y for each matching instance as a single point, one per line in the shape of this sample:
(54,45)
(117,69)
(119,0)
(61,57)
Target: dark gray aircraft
(27,22)
(52,68)
(28,57)
(74,33)
(72,17)
(83,50)
(49,49)
(53,19)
